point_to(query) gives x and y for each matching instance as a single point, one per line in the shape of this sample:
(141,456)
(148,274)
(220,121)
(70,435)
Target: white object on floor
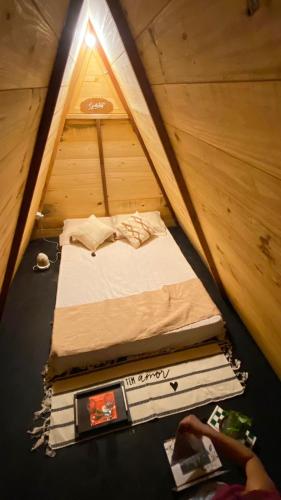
(42,262)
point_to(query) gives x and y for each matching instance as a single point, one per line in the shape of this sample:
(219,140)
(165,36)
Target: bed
(126,302)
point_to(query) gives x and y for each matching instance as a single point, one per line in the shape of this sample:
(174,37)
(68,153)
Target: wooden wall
(75,186)
(28,29)
(94,81)
(57,123)
(215,72)
(114,49)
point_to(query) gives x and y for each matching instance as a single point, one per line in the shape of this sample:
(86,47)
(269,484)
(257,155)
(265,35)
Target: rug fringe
(41,432)
(235,363)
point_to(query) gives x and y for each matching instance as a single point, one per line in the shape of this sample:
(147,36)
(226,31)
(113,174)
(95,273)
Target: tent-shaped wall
(207,112)
(99,165)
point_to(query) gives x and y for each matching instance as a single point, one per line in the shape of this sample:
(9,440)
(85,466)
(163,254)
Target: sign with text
(96,105)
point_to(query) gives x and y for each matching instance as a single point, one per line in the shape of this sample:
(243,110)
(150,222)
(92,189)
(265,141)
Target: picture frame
(101,409)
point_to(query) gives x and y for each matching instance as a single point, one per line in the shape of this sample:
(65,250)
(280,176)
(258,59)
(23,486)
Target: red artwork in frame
(102,408)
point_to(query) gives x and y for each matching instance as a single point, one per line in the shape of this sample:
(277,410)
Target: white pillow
(135,230)
(71,225)
(154,219)
(91,233)
(118,219)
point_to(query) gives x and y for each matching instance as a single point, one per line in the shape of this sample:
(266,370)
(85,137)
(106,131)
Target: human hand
(193,425)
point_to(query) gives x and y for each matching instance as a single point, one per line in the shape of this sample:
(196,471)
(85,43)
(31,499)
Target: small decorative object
(234,424)
(96,105)
(42,262)
(98,409)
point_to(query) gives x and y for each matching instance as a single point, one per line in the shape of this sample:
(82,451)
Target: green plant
(235,424)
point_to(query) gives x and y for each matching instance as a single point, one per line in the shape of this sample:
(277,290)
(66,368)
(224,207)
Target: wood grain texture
(243,119)
(215,73)
(102,167)
(186,42)
(94,82)
(55,16)
(240,210)
(26,33)
(71,190)
(129,85)
(140,13)
(53,12)
(20,112)
(12,182)
(75,187)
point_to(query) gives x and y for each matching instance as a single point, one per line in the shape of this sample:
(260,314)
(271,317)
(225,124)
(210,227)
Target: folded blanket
(99,327)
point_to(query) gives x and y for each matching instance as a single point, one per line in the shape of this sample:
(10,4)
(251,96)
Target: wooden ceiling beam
(102,167)
(139,70)
(41,139)
(131,118)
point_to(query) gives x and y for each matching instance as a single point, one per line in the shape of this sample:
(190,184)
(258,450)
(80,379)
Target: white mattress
(119,270)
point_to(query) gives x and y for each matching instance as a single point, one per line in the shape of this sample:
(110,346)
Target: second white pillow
(135,230)
(91,233)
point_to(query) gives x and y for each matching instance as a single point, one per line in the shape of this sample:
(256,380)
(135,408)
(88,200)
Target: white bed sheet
(119,270)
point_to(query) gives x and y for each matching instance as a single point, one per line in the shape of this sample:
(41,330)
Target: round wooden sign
(96,105)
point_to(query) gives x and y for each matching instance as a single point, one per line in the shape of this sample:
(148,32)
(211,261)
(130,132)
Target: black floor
(129,464)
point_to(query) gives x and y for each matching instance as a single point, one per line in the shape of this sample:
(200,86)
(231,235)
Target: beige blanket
(90,333)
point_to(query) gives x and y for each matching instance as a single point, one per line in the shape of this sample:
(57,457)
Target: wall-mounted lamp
(90,40)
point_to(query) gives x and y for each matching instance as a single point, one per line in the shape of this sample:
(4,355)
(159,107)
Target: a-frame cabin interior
(162,119)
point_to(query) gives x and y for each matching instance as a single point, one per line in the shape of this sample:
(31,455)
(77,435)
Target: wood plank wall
(55,126)
(94,81)
(114,49)
(75,186)
(215,72)
(28,29)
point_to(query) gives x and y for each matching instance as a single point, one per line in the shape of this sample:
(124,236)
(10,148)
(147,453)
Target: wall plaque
(96,105)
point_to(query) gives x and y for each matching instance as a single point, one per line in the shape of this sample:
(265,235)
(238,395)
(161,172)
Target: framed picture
(100,409)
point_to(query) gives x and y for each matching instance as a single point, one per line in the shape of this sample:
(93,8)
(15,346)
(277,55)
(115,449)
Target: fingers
(192,424)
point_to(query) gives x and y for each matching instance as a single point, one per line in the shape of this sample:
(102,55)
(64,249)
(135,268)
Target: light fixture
(90,40)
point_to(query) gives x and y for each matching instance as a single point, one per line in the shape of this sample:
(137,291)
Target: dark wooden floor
(127,464)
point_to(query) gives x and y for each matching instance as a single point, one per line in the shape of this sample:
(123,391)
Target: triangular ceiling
(168,52)
(99,165)
(97,13)
(120,68)
(92,83)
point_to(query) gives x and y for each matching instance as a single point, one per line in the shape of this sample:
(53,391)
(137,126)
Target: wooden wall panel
(94,81)
(215,72)
(74,192)
(21,110)
(58,118)
(129,178)
(27,30)
(129,85)
(186,41)
(25,35)
(240,118)
(75,186)
(141,12)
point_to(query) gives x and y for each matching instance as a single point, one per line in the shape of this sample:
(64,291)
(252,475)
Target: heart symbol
(174,385)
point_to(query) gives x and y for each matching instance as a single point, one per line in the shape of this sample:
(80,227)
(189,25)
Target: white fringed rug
(155,387)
